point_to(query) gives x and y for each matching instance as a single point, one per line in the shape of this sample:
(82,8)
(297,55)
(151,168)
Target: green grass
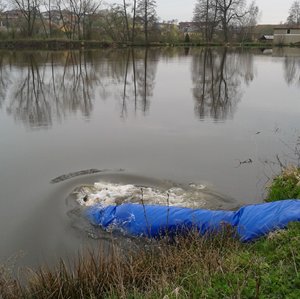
(286,185)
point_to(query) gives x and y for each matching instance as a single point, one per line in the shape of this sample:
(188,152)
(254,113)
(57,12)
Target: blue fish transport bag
(153,221)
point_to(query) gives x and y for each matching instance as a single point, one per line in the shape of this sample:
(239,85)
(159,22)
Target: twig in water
(248,161)
(279,162)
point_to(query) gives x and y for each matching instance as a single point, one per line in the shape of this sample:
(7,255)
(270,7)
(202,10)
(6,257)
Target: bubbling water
(107,193)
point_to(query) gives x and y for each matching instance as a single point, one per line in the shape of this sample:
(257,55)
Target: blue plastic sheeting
(251,222)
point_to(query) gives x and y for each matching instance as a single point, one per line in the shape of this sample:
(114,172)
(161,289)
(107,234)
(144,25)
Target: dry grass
(152,270)
(191,266)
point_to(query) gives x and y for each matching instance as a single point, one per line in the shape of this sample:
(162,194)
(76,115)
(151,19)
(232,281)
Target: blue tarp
(154,221)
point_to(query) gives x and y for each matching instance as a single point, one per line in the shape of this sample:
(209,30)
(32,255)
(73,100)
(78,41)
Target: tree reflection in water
(28,100)
(292,70)
(291,63)
(139,79)
(217,79)
(38,87)
(4,78)
(47,85)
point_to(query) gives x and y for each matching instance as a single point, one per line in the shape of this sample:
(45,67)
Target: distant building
(60,20)
(165,25)
(10,18)
(287,35)
(266,38)
(189,27)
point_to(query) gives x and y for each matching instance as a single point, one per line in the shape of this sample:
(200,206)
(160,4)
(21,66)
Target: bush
(187,38)
(286,185)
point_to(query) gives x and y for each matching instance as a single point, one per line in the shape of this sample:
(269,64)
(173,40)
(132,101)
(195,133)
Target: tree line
(80,19)
(130,21)
(225,16)
(41,92)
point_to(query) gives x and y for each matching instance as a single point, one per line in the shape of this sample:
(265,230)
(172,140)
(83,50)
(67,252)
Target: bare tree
(209,14)
(249,22)
(82,10)
(90,9)
(230,11)
(294,14)
(206,15)
(2,6)
(48,7)
(30,11)
(113,24)
(146,10)
(130,24)
(77,16)
(134,7)
(126,19)
(66,17)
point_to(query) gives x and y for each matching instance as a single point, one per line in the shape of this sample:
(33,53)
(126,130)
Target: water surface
(218,117)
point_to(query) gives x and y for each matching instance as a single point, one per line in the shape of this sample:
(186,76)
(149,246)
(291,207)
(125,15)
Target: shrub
(286,185)
(187,38)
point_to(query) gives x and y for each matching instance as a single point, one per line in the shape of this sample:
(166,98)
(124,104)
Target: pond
(220,118)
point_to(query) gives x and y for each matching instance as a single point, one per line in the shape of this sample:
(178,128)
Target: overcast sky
(272,11)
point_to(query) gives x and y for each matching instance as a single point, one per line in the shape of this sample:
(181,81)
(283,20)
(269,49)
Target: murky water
(171,119)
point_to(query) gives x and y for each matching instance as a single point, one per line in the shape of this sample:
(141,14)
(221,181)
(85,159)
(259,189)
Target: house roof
(287,27)
(267,37)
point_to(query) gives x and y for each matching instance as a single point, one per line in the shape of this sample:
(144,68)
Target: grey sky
(272,11)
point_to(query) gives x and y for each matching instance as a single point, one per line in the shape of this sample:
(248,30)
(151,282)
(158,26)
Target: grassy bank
(61,44)
(215,266)
(286,185)
(53,44)
(192,267)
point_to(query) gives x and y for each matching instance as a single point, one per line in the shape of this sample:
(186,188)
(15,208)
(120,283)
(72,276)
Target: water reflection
(291,64)
(3,80)
(292,70)
(217,77)
(139,80)
(29,101)
(48,85)
(38,87)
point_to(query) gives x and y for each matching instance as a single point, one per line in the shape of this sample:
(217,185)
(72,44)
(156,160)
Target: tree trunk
(146,21)
(126,20)
(133,22)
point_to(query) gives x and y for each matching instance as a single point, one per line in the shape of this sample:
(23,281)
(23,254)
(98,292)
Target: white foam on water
(112,194)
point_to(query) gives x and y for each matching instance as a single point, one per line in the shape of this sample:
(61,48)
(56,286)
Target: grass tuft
(286,185)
